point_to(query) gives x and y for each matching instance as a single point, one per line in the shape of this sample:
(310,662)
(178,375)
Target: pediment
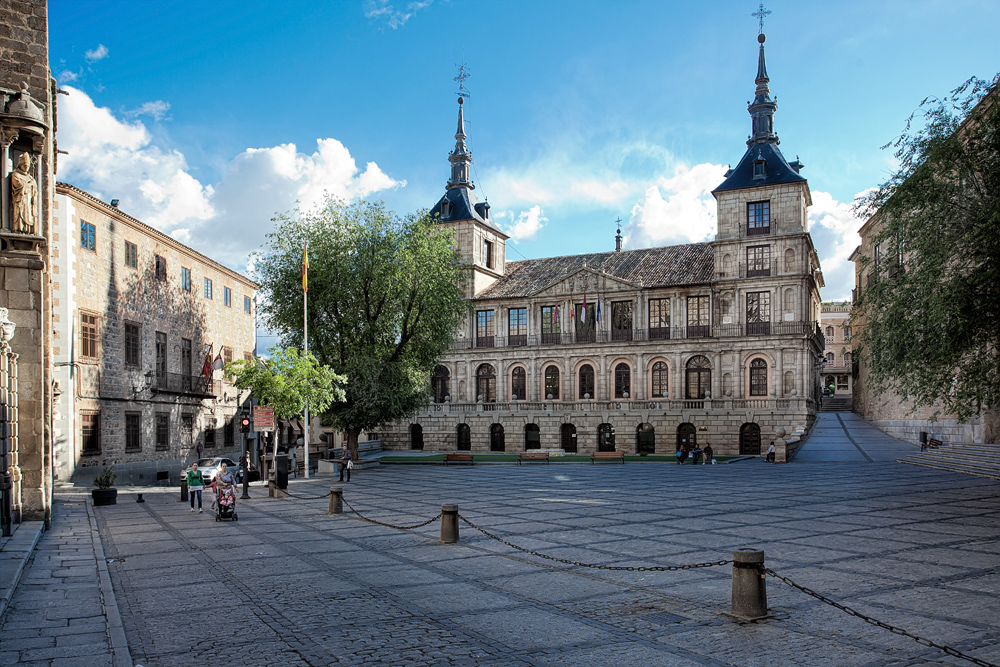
(586,280)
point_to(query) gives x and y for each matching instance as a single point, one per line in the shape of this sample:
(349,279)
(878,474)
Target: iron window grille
(552,382)
(586,381)
(133,431)
(758,377)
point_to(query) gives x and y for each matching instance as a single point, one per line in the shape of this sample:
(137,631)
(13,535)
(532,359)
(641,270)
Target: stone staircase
(837,404)
(981,460)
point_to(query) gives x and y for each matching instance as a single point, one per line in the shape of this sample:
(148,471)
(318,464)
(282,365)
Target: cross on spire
(760,14)
(463,74)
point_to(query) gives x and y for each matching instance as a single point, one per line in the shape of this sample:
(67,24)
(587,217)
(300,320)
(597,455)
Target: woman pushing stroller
(225,494)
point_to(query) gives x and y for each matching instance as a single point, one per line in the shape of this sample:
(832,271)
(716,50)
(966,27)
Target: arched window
(699,377)
(790,301)
(486,384)
(789,382)
(847,358)
(660,387)
(532,437)
(623,380)
(497,443)
(586,381)
(464,438)
(829,333)
(439,384)
(758,377)
(552,382)
(830,358)
(518,386)
(789,260)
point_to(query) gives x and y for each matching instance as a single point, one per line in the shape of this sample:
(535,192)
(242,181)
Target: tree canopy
(930,311)
(288,381)
(385,298)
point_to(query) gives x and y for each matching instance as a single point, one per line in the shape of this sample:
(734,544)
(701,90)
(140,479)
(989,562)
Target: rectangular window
(162,431)
(484,328)
(161,357)
(90,432)
(187,429)
(659,319)
(187,361)
(208,288)
(488,254)
(133,431)
(160,266)
(246,305)
(133,333)
(227,297)
(227,354)
(586,323)
(842,382)
(621,320)
(185,279)
(517,331)
(229,431)
(550,325)
(698,322)
(88,335)
(88,239)
(758,261)
(758,218)
(758,313)
(131,255)
(210,433)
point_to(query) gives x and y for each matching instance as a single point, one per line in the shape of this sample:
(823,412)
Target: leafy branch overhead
(930,293)
(289,381)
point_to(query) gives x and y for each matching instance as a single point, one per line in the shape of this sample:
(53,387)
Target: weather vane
(463,74)
(760,14)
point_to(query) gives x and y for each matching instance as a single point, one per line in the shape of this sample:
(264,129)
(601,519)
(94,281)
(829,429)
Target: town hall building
(635,350)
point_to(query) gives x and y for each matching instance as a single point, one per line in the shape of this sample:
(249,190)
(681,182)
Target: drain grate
(665,618)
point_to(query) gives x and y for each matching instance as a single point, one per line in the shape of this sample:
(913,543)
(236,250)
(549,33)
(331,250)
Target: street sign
(263,418)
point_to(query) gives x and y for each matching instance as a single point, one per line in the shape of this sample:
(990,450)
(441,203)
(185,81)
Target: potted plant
(104,494)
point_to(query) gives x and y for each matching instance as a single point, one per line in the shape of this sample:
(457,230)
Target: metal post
(449,524)
(6,516)
(336,501)
(184,488)
(246,466)
(749,599)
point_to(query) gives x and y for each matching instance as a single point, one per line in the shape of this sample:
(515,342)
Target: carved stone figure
(24,196)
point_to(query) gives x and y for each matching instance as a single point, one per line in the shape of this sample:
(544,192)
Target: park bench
(458,458)
(934,443)
(532,456)
(607,456)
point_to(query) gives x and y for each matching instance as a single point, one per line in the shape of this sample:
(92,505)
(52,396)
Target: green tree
(288,381)
(385,297)
(930,311)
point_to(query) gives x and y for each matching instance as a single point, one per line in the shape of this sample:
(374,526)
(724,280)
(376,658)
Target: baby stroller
(225,504)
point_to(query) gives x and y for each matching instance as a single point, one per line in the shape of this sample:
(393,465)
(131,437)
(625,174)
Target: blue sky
(205,118)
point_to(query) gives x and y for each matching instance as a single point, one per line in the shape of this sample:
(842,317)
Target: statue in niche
(24,197)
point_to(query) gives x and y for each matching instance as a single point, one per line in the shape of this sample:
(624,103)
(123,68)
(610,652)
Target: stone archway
(750,439)
(687,435)
(645,439)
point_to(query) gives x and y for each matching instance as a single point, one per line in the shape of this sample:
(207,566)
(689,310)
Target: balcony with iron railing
(184,384)
(797,328)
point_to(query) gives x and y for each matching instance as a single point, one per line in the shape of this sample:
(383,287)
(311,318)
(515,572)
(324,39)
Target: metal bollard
(184,490)
(336,502)
(749,587)
(139,499)
(449,524)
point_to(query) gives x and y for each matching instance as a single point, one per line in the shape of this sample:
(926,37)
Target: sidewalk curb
(121,657)
(7,593)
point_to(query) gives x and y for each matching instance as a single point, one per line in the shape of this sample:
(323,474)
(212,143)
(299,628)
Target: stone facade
(27,168)
(839,353)
(134,318)
(637,350)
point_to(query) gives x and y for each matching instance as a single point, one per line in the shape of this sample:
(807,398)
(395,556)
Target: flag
(584,311)
(218,364)
(305,266)
(555,314)
(598,310)
(206,368)
(572,309)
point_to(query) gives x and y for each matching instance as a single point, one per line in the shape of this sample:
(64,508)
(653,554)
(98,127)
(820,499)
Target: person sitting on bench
(769,458)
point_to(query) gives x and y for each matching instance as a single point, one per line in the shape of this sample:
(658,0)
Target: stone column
(7,136)
(678,389)
(779,374)
(639,390)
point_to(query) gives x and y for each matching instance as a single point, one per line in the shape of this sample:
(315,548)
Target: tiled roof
(776,169)
(653,267)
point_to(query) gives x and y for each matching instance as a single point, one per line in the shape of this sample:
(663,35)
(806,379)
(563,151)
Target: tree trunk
(352,441)
(991,425)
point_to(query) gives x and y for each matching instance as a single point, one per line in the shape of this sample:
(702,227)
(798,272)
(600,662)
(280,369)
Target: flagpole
(305,340)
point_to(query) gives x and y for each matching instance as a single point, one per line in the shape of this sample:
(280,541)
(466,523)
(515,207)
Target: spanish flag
(305,266)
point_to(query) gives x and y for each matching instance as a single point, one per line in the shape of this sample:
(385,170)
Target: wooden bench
(607,456)
(532,456)
(458,458)
(934,443)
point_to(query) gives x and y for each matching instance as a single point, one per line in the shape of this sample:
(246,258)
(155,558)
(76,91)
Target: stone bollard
(184,490)
(749,587)
(336,501)
(139,499)
(449,524)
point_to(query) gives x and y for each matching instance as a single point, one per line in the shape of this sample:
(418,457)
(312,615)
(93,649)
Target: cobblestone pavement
(289,585)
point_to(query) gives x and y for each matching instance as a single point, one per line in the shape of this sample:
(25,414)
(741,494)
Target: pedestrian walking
(195,483)
(346,463)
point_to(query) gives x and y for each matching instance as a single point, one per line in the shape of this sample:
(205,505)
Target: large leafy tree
(288,381)
(931,305)
(385,296)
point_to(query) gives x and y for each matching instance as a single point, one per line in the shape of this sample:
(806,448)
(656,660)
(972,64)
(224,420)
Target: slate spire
(763,107)
(460,158)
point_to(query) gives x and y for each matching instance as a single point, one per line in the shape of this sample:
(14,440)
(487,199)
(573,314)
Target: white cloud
(157,109)
(834,228)
(384,10)
(66,76)
(679,209)
(525,224)
(117,158)
(93,55)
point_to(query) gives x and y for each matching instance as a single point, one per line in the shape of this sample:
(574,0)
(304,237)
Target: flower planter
(105,496)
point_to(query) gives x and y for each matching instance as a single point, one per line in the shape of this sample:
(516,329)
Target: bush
(106,479)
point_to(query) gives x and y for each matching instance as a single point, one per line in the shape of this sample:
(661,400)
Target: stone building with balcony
(838,357)
(635,350)
(135,316)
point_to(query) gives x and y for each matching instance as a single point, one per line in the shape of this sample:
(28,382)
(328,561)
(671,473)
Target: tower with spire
(481,244)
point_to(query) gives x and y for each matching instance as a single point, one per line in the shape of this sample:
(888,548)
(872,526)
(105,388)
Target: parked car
(210,467)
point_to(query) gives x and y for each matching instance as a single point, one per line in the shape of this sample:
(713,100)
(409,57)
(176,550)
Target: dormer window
(445,208)
(758,168)
(488,254)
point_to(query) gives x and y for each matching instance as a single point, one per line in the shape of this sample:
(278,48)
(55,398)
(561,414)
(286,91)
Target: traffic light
(245,423)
